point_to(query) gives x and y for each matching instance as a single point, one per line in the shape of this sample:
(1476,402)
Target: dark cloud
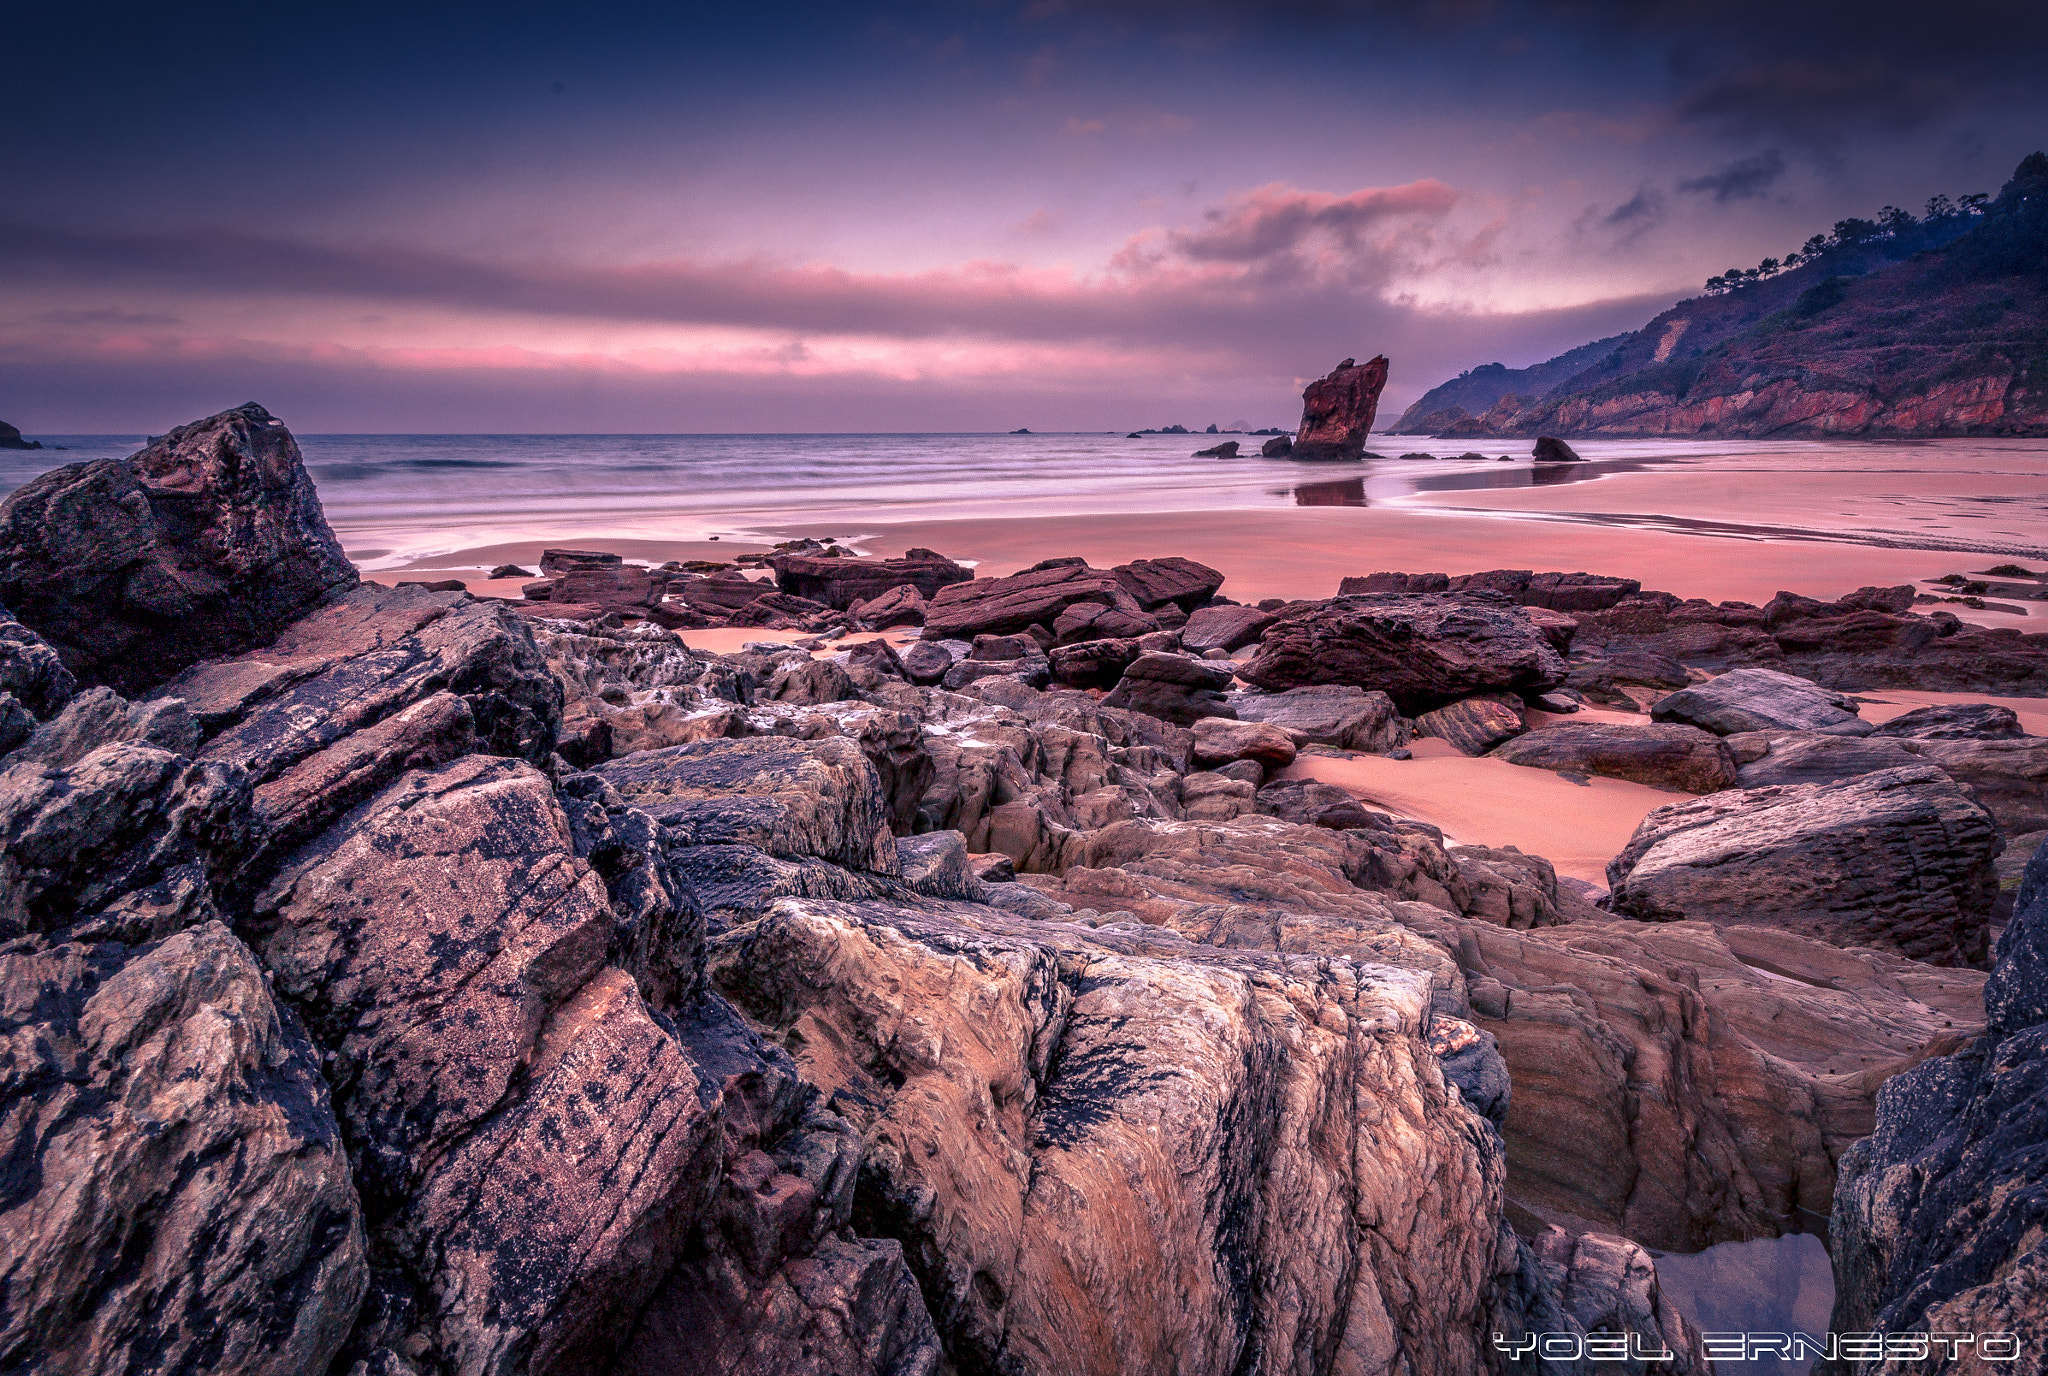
(1817,100)
(1743,180)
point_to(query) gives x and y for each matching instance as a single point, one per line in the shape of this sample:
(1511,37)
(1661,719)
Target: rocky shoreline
(403,981)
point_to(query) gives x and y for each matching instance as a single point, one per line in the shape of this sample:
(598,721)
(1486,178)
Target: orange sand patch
(1577,827)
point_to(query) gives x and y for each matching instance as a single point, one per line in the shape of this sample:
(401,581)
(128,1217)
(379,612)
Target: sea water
(398,498)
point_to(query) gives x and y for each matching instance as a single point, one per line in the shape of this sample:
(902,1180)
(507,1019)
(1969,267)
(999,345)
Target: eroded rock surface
(1663,756)
(1900,859)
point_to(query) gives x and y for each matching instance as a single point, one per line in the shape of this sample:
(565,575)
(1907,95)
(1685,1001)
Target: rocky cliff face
(1950,341)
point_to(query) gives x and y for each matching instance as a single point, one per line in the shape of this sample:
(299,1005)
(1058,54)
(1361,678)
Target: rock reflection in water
(1767,1285)
(1341,492)
(1524,475)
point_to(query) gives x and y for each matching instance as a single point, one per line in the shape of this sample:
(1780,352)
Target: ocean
(397,499)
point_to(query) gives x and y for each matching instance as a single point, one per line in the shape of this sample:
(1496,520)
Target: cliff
(1922,328)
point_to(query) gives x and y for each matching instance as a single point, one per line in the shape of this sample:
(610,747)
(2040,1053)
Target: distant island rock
(1899,326)
(10,438)
(1020,430)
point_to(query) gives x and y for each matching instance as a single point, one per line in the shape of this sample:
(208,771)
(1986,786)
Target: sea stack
(10,438)
(1337,411)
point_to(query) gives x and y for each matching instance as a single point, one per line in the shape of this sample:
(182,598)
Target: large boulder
(1900,860)
(1474,725)
(2008,778)
(1663,756)
(1334,714)
(1814,757)
(1422,650)
(1153,583)
(1220,741)
(1955,721)
(1036,597)
(205,543)
(1762,700)
(178,1196)
(1337,411)
(1940,1221)
(1173,688)
(1224,628)
(839,583)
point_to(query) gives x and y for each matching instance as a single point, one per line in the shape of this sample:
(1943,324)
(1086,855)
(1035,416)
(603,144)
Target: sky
(1054,214)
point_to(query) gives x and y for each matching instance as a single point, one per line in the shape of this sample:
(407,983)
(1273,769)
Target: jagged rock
(1223,628)
(1156,583)
(1337,411)
(1086,621)
(877,655)
(10,438)
(31,671)
(1938,1217)
(1900,859)
(1511,889)
(178,1198)
(1092,663)
(1220,741)
(1762,700)
(1335,714)
(722,594)
(1422,650)
(374,683)
(1033,670)
(1130,1108)
(839,583)
(902,605)
(789,798)
(1576,592)
(1036,597)
(1173,688)
(1225,450)
(1550,449)
(1663,756)
(1279,447)
(1474,725)
(1955,721)
(563,560)
(1393,582)
(206,542)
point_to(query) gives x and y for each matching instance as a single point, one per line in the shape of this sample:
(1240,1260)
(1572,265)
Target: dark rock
(1394,582)
(1550,449)
(839,583)
(1664,756)
(31,670)
(789,798)
(1279,447)
(1474,725)
(1421,650)
(877,656)
(1004,647)
(436,585)
(509,571)
(1094,621)
(937,865)
(1224,628)
(902,605)
(1225,450)
(1807,757)
(1308,803)
(1220,741)
(926,663)
(1092,663)
(1900,860)
(178,1196)
(1173,688)
(1576,592)
(1033,670)
(1038,596)
(1956,721)
(2008,778)
(1154,583)
(1939,1214)
(10,438)
(205,543)
(562,560)
(1761,700)
(809,682)
(1337,411)
(724,593)
(1338,715)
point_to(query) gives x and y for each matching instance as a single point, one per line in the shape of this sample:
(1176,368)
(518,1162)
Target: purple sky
(976,216)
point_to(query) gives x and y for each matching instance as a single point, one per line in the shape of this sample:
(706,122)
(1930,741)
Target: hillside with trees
(1935,324)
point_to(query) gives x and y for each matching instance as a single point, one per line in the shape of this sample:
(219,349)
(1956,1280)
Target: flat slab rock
(1900,860)
(1762,700)
(1334,714)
